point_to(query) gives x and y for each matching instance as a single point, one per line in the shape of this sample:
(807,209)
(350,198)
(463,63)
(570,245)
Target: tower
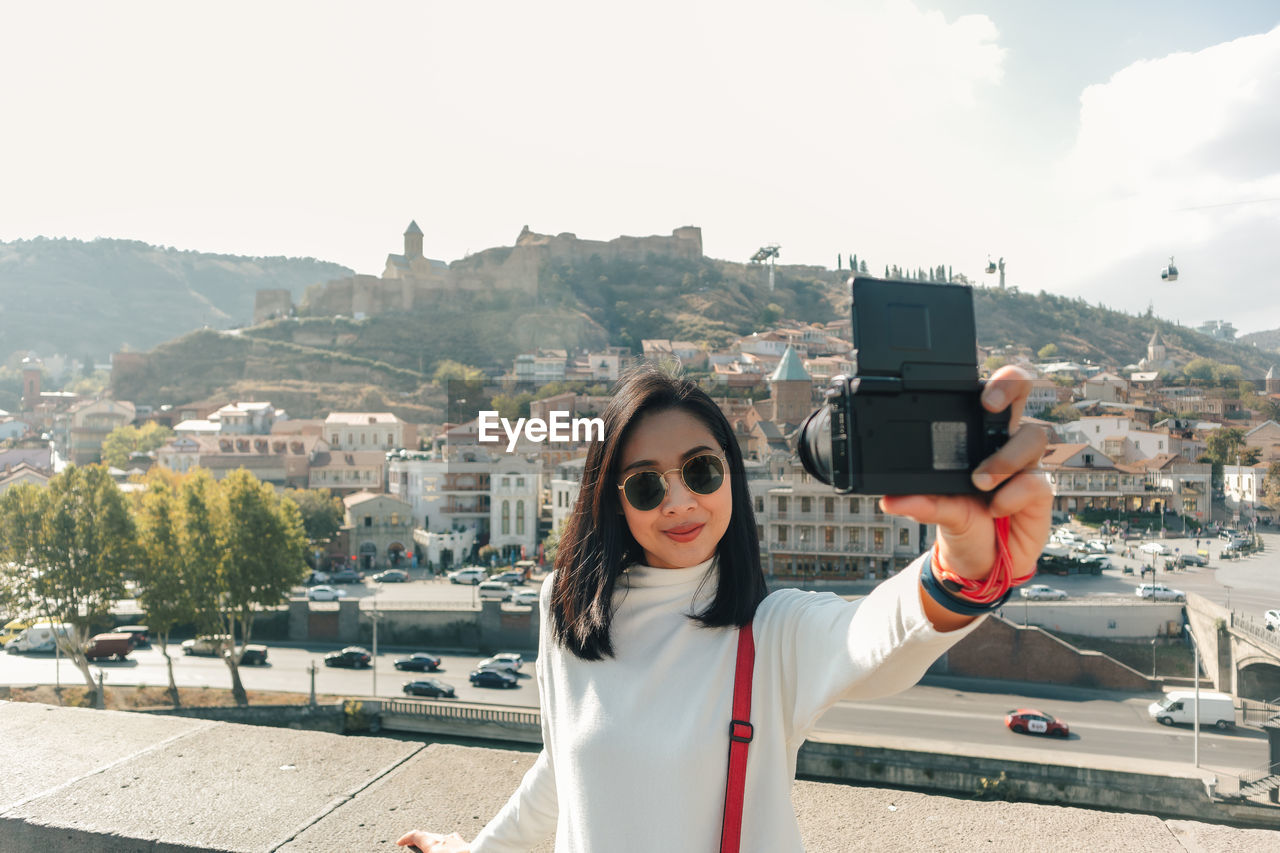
(791,389)
(412,241)
(32,368)
(1155,349)
(1272,382)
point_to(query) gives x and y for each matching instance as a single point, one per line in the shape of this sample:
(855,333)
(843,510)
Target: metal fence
(469,713)
(1255,713)
(383,604)
(1255,630)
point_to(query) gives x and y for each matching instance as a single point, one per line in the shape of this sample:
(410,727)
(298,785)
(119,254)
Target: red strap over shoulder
(740,734)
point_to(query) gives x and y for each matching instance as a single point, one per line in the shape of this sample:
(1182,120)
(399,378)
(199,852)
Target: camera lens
(814,445)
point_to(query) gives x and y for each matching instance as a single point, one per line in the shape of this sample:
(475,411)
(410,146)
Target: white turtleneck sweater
(635,747)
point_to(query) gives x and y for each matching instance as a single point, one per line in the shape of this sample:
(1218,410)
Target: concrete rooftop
(87,780)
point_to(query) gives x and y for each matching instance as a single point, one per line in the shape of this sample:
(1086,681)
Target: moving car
(1155,548)
(1159,592)
(1216,709)
(511,577)
(117,645)
(324,593)
(429,687)
(1098,546)
(1192,560)
(1228,533)
(494,591)
(1100,560)
(471,574)
(40,637)
(493,678)
(1041,592)
(352,657)
(392,576)
(506,660)
(1272,618)
(1031,721)
(211,645)
(346,576)
(525,597)
(141,635)
(418,662)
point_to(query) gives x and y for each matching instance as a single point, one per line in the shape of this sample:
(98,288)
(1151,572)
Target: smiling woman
(658,590)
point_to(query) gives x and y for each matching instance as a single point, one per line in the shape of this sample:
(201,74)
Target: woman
(657,568)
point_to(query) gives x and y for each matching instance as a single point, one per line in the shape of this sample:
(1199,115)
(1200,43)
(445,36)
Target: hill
(1269,340)
(90,299)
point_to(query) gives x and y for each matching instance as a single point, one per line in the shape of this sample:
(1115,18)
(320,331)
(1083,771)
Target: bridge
(1238,653)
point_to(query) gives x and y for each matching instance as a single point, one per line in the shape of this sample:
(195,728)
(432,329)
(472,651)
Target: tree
(161,569)
(263,558)
(1047,351)
(124,441)
(551,544)
(322,513)
(1200,370)
(1271,484)
(1222,445)
(77,538)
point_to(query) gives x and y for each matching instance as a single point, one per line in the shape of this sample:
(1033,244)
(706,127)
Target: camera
(910,420)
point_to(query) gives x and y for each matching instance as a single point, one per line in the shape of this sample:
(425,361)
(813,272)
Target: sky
(1084,142)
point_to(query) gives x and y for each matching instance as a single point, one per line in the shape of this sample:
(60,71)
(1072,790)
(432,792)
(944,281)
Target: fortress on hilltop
(411,281)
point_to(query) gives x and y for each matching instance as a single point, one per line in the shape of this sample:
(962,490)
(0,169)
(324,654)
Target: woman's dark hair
(597,544)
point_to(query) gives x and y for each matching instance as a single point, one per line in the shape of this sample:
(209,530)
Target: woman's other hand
(430,842)
(966,526)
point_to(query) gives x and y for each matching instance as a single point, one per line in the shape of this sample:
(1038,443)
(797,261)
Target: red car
(1030,721)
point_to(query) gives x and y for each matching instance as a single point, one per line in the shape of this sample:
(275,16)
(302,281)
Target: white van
(1216,709)
(39,638)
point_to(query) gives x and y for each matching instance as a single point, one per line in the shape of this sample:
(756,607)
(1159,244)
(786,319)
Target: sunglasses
(702,474)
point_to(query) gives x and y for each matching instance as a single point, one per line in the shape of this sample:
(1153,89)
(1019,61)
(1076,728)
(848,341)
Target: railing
(368,604)
(1253,712)
(1249,626)
(451,711)
(1264,776)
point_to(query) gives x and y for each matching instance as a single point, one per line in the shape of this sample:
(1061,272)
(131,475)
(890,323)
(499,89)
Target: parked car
(1066,537)
(317,578)
(13,628)
(429,687)
(392,576)
(1033,722)
(352,657)
(324,593)
(527,597)
(418,662)
(211,645)
(511,577)
(1272,618)
(1041,592)
(101,646)
(1102,561)
(253,655)
(493,678)
(1159,592)
(1228,533)
(1098,546)
(141,635)
(346,576)
(510,661)
(494,591)
(1155,548)
(1192,560)
(471,574)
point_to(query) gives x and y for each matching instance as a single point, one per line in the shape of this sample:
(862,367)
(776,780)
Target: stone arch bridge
(1237,652)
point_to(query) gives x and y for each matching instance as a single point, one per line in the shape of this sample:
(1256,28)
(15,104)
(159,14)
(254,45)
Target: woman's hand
(966,526)
(429,842)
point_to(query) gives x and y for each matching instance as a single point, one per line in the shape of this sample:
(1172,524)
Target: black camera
(910,421)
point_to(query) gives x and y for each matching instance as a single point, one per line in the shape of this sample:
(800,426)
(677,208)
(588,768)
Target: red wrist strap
(740,734)
(997,581)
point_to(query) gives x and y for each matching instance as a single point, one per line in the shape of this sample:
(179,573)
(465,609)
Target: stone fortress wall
(413,282)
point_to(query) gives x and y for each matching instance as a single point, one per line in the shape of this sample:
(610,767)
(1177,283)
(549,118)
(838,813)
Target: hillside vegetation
(90,299)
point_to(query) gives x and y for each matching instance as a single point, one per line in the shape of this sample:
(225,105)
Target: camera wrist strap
(740,734)
(998,581)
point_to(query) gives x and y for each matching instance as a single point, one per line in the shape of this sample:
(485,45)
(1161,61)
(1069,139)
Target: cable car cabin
(1169,273)
(990,267)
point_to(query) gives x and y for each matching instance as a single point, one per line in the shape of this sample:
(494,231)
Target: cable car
(1169,273)
(991,267)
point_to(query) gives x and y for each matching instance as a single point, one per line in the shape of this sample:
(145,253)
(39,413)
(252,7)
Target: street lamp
(375,616)
(1195,674)
(1153,657)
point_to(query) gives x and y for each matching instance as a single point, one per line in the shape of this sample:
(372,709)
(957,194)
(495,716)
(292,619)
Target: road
(1100,726)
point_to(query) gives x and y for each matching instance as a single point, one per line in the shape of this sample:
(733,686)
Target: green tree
(78,539)
(1200,370)
(161,569)
(551,543)
(1047,351)
(124,441)
(264,557)
(322,513)
(1223,444)
(994,363)
(1271,484)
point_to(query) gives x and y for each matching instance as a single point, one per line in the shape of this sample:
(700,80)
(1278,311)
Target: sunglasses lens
(703,474)
(645,490)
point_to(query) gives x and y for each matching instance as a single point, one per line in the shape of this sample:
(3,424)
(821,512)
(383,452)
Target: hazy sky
(1085,142)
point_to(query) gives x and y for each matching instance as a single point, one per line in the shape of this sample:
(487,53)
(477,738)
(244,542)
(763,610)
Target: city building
(363,431)
(380,530)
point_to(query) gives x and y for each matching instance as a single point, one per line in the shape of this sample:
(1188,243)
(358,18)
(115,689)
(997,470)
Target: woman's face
(686,527)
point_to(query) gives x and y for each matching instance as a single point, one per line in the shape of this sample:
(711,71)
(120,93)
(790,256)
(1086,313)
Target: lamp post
(375,615)
(1228,589)
(1195,674)
(1153,657)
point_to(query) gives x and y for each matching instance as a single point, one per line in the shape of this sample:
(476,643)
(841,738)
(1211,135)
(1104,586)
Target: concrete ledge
(113,781)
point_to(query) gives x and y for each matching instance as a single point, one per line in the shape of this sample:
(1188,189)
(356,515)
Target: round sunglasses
(702,474)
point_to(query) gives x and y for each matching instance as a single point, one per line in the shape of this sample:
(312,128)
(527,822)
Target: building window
(506,518)
(904,536)
(782,503)
(519,518)
(395,518)
(368,521)
(855,538)
(391,439)
(855,506)
(334,440)
(829,537)
(782,533)
(759,504)
(829,506)
(806,504)
(364,438)
(519,482)
(877,539)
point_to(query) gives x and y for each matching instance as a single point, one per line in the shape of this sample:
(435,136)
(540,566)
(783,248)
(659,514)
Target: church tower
(412,241)
(31,370)
(1155,350)
(791,389)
